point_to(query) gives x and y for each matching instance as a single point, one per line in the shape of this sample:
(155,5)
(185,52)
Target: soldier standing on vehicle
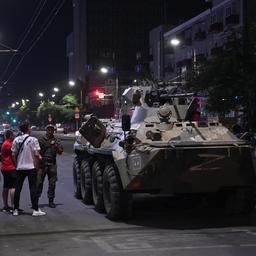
(50,147)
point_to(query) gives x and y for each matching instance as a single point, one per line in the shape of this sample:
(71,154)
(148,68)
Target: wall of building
(155,52)
(80,39)
(201,37)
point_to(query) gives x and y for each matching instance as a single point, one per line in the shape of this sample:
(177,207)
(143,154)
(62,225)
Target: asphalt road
(160,226)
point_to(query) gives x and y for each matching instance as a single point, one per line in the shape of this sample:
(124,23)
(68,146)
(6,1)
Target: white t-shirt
(26,157)
(138,115)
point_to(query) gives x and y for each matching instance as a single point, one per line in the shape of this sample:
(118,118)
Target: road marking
(140,247)
(149,242)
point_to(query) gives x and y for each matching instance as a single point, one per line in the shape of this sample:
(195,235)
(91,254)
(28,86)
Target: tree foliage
(230,79)
(62,112)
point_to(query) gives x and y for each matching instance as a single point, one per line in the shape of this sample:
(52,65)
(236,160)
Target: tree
(229,79)
(70,100)
(59,112)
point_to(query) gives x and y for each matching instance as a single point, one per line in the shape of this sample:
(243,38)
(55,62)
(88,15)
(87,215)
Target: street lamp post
(117,90)
(80,83)
(77,110)
(105,70)
(175,42)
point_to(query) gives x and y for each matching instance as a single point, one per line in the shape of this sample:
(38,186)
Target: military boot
(51,203)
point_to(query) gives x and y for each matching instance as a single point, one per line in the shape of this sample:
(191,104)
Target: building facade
(113,34)
(205,35)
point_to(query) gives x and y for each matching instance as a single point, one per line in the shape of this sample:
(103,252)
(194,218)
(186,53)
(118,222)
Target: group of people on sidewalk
(24,157)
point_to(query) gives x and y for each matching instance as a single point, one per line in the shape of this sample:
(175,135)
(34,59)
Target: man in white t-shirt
(25,152)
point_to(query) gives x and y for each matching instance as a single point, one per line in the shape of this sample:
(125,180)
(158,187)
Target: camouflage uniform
(50,147)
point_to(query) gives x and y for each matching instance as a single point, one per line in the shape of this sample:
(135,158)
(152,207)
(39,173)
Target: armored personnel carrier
(164,147)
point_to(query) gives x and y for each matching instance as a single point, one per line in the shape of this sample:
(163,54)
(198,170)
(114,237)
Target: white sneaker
(15,212)
(38,213)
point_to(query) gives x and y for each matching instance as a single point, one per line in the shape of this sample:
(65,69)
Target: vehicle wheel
(97,187)
(77,178)
(118,203)
(86,182)
(240,201)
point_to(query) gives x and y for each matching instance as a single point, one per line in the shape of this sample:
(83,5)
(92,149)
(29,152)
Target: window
(213,18)
(228,11)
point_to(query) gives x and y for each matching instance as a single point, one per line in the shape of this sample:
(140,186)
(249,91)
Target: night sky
(46,64)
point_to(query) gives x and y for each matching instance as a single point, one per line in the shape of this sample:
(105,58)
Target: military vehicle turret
(164,147)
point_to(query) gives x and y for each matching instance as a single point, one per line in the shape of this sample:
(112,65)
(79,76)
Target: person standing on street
(26,156)
(50,147)
(8,170)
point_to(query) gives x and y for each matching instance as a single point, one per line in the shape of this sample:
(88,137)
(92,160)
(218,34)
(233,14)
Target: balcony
(233,19)
(200,35)
(216,27)
(217,51)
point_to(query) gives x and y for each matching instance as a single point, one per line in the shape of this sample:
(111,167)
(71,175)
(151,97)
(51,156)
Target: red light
(97,92)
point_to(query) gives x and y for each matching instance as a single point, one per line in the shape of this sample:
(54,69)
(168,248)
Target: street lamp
(175,42)
(40,94)
(55,89)
(105,70)
(72,83)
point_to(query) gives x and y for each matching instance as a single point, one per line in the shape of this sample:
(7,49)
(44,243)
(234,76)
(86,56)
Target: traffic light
(7,113)
(98,94)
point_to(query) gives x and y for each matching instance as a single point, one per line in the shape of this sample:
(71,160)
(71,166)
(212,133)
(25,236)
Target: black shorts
(9,178)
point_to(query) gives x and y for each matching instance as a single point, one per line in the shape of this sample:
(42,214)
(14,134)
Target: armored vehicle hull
(161,154)
(188,169)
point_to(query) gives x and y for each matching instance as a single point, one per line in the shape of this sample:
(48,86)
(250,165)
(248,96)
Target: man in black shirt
(50,147)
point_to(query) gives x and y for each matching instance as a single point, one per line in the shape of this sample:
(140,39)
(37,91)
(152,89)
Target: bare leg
(12,192)
(5,196)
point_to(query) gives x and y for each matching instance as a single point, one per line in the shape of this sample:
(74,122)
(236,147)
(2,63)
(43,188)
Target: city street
(164,96)
(158,227)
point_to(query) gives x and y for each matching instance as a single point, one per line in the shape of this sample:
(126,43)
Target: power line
(55,12)
(29,27)
(32,21)
(6,46)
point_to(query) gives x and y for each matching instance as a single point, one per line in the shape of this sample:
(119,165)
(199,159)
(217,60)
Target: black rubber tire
(86,183)
(117,202)
(240,201)
(97,190)
(77,178)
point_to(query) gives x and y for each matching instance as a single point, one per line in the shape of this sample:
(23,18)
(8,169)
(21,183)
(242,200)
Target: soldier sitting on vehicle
(139,113)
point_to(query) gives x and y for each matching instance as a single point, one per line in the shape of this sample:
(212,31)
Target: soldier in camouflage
(50,147)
